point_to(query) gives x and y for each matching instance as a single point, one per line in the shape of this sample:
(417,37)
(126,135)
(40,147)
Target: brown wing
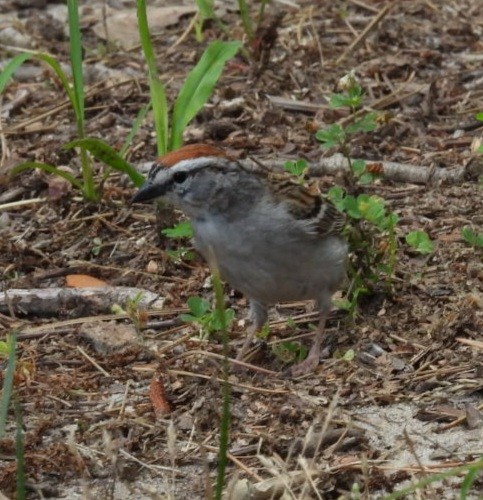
(305,203)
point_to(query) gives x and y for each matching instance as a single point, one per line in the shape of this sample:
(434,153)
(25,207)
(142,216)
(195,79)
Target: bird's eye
(180,177)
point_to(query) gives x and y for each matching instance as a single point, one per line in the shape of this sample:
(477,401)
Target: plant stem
(7,382)
(226,391)
(261,12)
(246,21)
(435,477)
(75,46)
(19,452)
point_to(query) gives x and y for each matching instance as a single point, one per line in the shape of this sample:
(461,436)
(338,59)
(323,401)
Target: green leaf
(105,153)
(49,169)
(135,127)
(19,453)
(358,167)
(479,116)
(206,9)
(11,67)
(246,20)
(181,253)
(75,44)
(472,237)
(371,208)
(159,103)
(7,383)
(339,101)
(375,213)
(182,230)
(419,240)
(296,168)
(343,304)
(365,124)
(390,221)
(336,195)
(351,207)
(352,99)
(199,86)
(366,178)
(4,349)
(219,322)
(156,88)
(355,92)
(289,352)
(473,472)
(198,306)
(188,318)
(63,80)
(349,355)
(331,136)
(97,246)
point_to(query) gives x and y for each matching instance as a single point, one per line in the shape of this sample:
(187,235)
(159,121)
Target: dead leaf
(122,25)
(157,395)
(83,281)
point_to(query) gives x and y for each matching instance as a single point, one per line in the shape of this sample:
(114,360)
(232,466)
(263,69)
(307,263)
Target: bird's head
(191,178)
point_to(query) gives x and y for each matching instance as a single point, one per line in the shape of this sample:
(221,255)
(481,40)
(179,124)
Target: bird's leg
(258,317)
(312,360)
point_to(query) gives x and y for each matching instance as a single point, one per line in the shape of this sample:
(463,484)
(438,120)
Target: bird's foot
(308,365)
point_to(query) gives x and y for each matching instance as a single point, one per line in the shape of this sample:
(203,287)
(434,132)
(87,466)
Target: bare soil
(408,405)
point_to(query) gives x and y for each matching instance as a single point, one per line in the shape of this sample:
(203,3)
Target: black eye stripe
(180,177)
(154,170)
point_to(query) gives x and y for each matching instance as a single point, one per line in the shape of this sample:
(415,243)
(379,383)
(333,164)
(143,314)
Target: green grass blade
(18,60)
(160,114)
(469,479)
(156,88)
(134,129)
(75,44)
(11,67)
(105,153)
(7,383)
(245,17)
(55,66)
(206,9)
(61,76)
(199,86)
(261,12)
(403,492)
(49,169)
(20,453)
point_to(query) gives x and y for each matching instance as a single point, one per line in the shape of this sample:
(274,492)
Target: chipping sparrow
(268,236)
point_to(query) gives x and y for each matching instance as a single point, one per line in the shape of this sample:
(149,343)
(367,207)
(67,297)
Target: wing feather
(305,203)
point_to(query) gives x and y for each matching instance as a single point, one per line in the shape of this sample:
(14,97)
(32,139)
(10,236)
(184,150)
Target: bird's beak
(146,192)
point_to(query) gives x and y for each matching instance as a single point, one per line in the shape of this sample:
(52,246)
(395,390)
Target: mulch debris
(144,414)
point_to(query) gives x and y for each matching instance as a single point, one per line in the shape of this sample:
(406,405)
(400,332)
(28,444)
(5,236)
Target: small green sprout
(348,355)
(296,168)
(181,254)
(207,319)
(472,237)
(96,246)
(290,352)
(181,230)
(419,241)
(339,136)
